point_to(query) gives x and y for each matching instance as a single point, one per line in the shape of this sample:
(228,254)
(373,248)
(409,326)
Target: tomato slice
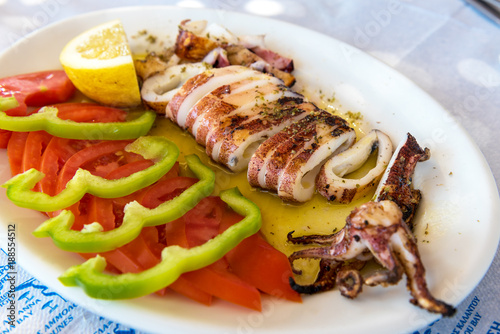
(36,143)
(81,212)
(215,279)
(57,152)
(165,190)
(188,289)
(15,151)
(227,286)
(101,210)
(137,255)
(202,222)
(129,169)
(175,234)
(122,261)
(258,263)
(4,138)
(138,250)
(36,89)
(143,252)
(89,112)
(89,157)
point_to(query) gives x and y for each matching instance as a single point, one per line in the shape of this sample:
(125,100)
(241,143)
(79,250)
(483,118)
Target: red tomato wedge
(36,90)
(89,112)
(57,152)
(4,138)
(100,159)
(15,151)
(36,143)
(258,263)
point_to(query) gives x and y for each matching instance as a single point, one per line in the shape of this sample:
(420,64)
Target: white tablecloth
(446,47)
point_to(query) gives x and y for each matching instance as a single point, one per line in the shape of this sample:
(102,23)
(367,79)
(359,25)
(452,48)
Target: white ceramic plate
(456,226)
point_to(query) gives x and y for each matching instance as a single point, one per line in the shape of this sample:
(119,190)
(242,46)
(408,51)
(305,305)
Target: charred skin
(191,47)
(397,185)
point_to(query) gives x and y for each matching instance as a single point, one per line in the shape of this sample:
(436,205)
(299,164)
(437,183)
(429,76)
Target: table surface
(449,49)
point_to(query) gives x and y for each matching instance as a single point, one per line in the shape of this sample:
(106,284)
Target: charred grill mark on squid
(396,184)
(289,161)
(331,182)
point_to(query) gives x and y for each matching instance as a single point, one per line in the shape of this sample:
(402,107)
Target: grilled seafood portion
(380,230)
(396,184)
(196,40)
(159,88)
(289,161)
(248,119)
(231,110)
(331,182)
(376,228)
(232,94)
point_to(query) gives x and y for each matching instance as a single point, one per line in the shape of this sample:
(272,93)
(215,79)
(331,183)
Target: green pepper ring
(46,119)
(135,217)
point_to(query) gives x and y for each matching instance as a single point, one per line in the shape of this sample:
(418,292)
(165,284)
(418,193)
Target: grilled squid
(248,119)
(231,110)
(381,230)
(158,89)
(334,186)
(397,184)
(376,228)
(289,162)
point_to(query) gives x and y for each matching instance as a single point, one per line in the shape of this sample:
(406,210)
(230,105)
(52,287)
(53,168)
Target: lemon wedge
(99,63)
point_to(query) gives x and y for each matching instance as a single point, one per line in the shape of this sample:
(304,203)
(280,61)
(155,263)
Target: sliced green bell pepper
(175,260)
(135,217)
(160,150)
(46,119)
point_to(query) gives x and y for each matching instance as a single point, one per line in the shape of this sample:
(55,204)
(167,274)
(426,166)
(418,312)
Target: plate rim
(249,16)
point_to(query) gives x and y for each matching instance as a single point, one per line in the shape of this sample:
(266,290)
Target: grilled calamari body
(249,119)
